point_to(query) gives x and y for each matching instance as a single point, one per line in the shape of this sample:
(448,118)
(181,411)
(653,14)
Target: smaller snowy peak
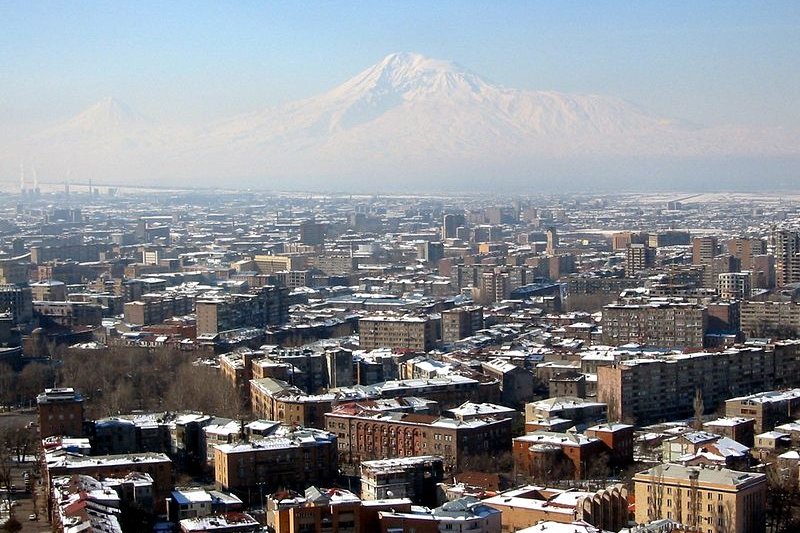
(107,115)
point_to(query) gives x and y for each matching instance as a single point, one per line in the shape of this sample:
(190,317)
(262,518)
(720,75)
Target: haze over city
(402,97)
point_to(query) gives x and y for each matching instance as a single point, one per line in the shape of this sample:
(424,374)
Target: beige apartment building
(768,409)
(707,500)
(768,319)
(413,333)
(461,322)
(273,399)
(660,325)
(269,264)
(652,389)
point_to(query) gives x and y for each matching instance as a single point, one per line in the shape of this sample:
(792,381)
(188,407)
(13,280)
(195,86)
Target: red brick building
(60,413)
(544,454)
(364,435)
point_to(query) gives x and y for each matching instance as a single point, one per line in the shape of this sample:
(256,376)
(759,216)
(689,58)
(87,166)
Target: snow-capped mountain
(107,117)
(415,104)
(409,109)
(406,116)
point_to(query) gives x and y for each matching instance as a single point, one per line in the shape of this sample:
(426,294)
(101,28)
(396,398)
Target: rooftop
(723,477)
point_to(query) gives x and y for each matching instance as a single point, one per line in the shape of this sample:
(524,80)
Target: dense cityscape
(399,267)
(240,361)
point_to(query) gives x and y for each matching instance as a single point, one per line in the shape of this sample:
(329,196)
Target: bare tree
(122,378)
(21,441)
(6,462)
(598,467)
(200,388)
(699,409)
(782,493)
(32,379)
(8,384)
(655,501)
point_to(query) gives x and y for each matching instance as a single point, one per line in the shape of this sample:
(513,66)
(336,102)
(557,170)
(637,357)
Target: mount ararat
(410,122)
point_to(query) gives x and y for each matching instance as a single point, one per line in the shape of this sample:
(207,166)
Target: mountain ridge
(407,111)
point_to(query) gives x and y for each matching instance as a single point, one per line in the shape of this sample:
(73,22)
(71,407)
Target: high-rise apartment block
(450,224)
(267,305)
(653,389)
(786,244)
(411,333)
(638,257)
(657,324)
(461,322)
(746,249)
(734,285)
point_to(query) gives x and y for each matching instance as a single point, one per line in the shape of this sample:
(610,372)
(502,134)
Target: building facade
(716,500)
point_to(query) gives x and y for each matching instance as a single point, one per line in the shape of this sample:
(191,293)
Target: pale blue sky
(707,62)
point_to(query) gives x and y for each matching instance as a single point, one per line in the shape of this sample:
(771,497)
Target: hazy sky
(707,62)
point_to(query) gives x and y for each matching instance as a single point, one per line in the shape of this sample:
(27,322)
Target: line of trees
(21,388)
(123,379)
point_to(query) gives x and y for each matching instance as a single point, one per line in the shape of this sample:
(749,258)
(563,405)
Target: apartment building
(768,409)
(563,411)
(516,383)
(237,368)
(740,429)
(13,272)
(273,399)
(222,312)
(320,509)
(18,301)
(786,245)
(413,477)
(553,455)
(464,514)
(49,290)
(770,319)
(412,333)
(68,314)
(709,500)
(289,458)
(735,285)
(154,308)
(60,412)
(656,324)
(746,249)
(652,389)
(157,465)
(269,264)
(638,257)
(461,322)
(364,434)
